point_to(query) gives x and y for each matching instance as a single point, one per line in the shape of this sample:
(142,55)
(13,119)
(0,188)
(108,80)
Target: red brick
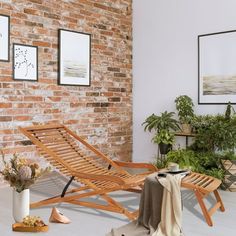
(33,24)
(5,118)
(37,1)
(7,6)
(22,118)
(41,44)
(31,11)
(100,6)
(5,105)
(19,15)
(51,15)
(33,98)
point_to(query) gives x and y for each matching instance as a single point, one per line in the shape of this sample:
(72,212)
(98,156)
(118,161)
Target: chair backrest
(63,149)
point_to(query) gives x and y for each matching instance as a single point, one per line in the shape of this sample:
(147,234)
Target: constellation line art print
(21,60)
(25,62)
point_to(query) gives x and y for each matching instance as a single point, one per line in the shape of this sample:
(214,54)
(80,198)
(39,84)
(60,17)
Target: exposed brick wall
(102,113)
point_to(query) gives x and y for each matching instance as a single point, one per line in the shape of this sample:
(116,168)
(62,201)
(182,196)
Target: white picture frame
(4,38)
(74,58)
(25,62)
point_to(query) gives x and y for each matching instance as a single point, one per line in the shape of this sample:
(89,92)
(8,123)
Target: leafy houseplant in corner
(21,173)
(184,106)
(163,125)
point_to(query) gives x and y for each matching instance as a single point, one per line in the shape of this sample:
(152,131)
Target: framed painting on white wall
(74,58)
(217,68)
(25,62)
(4,38)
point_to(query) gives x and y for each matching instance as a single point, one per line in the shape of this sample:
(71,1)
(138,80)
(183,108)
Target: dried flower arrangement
(21,172)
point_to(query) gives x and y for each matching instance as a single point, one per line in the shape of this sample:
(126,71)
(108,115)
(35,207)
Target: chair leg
(130,215)
(218,198)
(203,207)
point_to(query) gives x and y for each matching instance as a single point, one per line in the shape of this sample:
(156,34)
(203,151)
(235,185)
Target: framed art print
(4,38)
(74,58)
(217,68)
(25,62)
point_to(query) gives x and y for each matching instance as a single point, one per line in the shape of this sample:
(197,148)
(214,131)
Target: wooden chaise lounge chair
(99,175)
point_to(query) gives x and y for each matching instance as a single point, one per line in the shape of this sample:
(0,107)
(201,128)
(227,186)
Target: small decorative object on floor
(58,217)
(21,173)
(30,224)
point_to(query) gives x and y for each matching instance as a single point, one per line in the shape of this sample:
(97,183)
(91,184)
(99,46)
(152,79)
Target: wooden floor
(90,222)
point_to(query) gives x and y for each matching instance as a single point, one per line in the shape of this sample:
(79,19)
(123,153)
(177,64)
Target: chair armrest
(108,178)
(136,165)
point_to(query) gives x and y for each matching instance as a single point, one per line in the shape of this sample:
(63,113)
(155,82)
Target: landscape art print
(4,37)
(74,58)
(217,68)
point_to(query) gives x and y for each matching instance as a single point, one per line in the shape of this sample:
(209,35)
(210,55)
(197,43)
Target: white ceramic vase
(20,205)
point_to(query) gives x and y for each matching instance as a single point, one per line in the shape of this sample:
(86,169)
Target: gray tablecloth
(150,211)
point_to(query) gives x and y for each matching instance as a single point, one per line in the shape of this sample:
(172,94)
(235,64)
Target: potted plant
(20,173)
(163,125)
(164,139)
(184,106)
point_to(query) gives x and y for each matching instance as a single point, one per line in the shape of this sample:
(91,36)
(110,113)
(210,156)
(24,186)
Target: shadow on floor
(191,204)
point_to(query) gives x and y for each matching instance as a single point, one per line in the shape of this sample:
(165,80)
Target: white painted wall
(165,57)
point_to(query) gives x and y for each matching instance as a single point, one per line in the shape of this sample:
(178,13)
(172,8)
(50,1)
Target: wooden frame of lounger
(203,185)
(59,146)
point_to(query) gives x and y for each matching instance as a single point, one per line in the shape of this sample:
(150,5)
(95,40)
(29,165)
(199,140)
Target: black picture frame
(5,41)
(25,62)
(217,68)
(74,53)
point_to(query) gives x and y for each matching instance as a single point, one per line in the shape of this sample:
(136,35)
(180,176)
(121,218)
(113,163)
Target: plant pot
(229,181)
(164,148)
(20,205)
(186,128)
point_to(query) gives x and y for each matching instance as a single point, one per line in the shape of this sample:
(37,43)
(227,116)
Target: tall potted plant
(184,106)
(163,125)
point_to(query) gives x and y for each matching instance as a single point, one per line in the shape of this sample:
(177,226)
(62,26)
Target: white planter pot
(20,205)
